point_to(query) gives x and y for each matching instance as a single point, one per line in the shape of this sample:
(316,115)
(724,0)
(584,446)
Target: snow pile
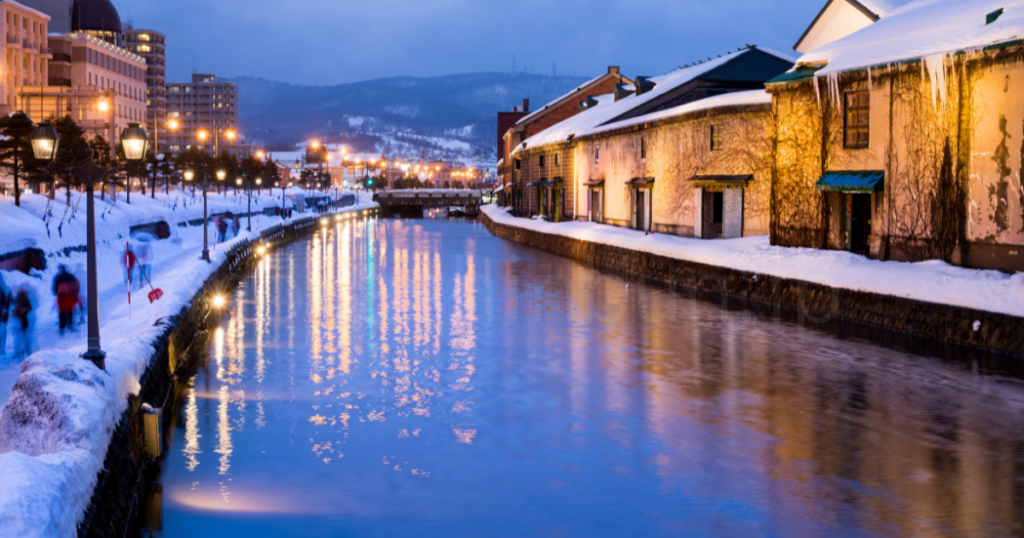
(57,424)
(752,97)
(932,281)
(921,29)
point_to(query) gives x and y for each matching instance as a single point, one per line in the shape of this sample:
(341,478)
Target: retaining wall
(996,333)
(115,500)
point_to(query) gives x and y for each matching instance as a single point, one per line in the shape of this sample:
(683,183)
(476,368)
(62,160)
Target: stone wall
(996,333)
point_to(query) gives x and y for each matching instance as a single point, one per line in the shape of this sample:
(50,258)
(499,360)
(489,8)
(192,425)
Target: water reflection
(426,378)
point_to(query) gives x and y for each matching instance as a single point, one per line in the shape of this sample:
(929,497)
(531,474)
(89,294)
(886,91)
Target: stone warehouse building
(547,166)
(697,170)
(882,150)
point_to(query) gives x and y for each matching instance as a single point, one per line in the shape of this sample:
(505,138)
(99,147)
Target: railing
(45,50)
(12,40)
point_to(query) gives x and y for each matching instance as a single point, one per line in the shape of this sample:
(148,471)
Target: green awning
(852,181)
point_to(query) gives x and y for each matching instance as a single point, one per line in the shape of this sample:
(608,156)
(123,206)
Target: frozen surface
(931,281)
(58,417)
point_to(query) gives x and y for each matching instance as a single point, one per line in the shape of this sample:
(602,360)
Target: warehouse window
(857,119)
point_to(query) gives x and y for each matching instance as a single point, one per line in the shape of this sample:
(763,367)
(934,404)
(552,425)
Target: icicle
(817,92)
(869,79)
(936,66)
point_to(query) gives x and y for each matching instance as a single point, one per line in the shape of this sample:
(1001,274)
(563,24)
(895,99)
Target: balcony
(13,40)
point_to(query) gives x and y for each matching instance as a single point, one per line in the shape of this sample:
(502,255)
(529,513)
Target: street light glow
(219,301)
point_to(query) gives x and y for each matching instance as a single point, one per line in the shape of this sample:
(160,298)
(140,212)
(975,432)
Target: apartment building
(151,46)
(206,104)
(100,85)
(26,55)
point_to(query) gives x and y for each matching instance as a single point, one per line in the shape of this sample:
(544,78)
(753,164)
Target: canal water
(423,378)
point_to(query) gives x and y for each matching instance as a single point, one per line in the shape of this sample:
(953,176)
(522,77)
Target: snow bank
(920,29)
(57,424)
(932,281)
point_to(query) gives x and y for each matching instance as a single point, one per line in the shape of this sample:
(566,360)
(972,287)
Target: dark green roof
(800,73)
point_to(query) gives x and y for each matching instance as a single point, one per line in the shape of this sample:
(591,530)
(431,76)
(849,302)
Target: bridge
(411,202)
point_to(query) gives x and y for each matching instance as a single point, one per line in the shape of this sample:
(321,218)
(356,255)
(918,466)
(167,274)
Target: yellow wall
(676,152)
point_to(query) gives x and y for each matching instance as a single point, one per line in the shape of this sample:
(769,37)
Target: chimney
(622,91)
(643,85)
(526,106)
(613,70)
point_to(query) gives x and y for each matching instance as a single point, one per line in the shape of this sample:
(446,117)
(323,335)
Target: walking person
(83,298)
(129,262)
(22,313)
(65,288)
(222,229)
(144,257)
(5,309)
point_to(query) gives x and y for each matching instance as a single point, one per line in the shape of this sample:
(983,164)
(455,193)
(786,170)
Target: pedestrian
(236,225)
(23,329)
(144,257)
(83,297)
(129,262)
(222,230)
(5,308)
(65,288)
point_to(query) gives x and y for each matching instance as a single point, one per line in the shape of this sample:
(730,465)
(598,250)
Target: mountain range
(448,117)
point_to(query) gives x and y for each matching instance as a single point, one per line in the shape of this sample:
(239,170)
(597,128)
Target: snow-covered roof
(752,97)
(560,98)
(501,161)
(608,108)
(921,29)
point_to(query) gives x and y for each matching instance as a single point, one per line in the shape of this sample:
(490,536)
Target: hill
(447,117)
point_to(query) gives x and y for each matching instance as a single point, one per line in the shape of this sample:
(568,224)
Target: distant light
(219,301)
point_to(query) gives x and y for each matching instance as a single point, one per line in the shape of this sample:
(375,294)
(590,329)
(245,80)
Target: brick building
(558,110)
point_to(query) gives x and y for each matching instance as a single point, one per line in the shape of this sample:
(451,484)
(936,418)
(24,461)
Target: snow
(931,281)
(752,97)
(57,421)
(608,108)
(921,29)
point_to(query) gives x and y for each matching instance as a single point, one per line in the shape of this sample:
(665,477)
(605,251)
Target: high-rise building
(151,45)
(26,54)
(207,104)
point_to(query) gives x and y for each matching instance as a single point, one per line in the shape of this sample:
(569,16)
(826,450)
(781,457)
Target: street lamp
(45,141)
(134,143)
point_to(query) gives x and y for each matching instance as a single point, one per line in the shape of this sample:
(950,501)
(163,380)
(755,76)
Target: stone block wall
(997,333)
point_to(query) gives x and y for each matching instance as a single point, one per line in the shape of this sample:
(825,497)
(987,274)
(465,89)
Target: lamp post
(45,140)
(189,176)
(134,142)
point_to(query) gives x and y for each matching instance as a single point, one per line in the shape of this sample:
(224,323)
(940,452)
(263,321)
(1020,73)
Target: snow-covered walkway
(55,429)
(932,281)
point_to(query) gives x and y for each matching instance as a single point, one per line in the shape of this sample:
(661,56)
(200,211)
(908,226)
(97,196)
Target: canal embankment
(71,436)
(932,300)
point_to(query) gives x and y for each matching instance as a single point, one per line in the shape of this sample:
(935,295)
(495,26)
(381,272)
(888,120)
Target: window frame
(717,140)
(643,148)
(858,111)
